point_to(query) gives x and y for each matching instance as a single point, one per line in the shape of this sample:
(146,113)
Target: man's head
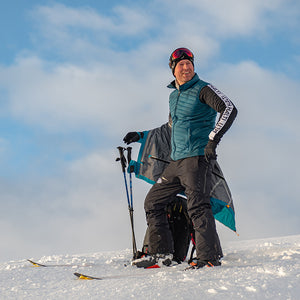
(182,64)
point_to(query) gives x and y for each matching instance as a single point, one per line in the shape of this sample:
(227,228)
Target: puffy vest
(192,120)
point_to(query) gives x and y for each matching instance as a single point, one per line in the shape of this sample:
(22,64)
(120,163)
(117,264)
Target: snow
(254,269)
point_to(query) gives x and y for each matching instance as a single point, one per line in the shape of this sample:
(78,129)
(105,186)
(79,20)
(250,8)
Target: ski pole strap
(122,158)
(131,167)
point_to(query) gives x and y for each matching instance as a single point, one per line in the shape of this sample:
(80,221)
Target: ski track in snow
(256,269)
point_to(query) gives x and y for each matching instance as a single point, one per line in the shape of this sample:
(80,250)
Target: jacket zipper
(175,111)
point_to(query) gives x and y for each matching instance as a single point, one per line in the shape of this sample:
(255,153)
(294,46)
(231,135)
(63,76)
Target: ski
(35,264)
(170,269)
(106,277)
(86,277)
(89,277)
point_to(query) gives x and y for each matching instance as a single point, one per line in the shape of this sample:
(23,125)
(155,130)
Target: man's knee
(149,202)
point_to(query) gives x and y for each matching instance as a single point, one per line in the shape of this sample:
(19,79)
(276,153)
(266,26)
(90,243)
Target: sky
(76,76)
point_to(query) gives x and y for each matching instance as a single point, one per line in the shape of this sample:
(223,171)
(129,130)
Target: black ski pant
(192,176)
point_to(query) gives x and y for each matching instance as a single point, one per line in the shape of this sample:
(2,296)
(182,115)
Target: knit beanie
(178,55)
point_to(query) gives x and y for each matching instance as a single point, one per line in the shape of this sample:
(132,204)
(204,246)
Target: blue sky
(76,76)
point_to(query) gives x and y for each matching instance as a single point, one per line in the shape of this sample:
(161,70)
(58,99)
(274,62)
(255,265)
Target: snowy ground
(256,269)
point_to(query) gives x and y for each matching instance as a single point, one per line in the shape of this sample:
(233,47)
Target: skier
(193,106)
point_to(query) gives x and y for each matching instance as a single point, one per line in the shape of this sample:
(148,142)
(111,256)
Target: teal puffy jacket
(192,120)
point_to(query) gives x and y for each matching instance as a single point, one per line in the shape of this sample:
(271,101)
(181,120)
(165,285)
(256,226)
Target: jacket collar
(186,85)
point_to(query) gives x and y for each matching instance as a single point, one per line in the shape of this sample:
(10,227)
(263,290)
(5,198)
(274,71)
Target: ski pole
(122,159)
(131,203)
(130,176)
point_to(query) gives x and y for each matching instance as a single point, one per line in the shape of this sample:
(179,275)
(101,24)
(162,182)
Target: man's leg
(195,176)
(162,192)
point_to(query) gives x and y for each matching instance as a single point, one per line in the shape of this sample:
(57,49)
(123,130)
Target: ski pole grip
(122,158)
(129,154)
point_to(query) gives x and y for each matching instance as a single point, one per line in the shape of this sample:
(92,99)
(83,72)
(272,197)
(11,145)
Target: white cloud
(131,21)
(84,31)
(257,154)
(263,95)
(123,21)
(83,209)
(233,17)
(68,96)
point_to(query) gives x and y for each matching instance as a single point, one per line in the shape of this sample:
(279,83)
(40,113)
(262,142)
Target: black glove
(131,137)
(210,150)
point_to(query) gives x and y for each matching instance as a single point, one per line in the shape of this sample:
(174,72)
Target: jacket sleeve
(223,105)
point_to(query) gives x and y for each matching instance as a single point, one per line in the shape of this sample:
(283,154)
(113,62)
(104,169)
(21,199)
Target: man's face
(184,71)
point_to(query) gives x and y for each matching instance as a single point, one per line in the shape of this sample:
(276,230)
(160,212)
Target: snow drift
(255,269)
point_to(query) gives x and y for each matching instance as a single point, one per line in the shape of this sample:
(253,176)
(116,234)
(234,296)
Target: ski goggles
(181,52)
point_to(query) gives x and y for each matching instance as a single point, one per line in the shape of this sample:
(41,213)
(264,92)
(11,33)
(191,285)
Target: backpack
(180,226)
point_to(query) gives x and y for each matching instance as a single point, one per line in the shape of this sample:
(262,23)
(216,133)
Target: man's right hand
(131,137)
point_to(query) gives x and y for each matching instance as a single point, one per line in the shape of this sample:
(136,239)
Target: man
(195,135)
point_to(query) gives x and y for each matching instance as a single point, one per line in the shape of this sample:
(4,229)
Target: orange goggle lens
(181,51)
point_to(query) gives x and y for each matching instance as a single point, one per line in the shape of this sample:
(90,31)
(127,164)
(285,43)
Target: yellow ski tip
(86,277)
(35,264)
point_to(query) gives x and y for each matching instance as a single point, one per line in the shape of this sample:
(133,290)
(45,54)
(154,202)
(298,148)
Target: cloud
(82,209)
(237,18)
(95,85)
(256,152)
(123,20)
(64,97)
(84,34)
